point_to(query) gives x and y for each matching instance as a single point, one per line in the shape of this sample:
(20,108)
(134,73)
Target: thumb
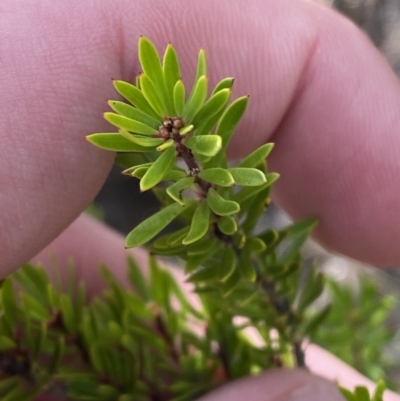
(278,385)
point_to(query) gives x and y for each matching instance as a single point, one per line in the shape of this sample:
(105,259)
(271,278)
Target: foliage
(362,340)
(361,393)
(153,343)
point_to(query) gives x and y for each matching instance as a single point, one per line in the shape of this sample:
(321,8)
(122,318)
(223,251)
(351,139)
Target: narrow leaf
(144,141)
(150,227)
(196,99)
(218,176)
(221,206)
(248,192)
(134,114)
(201,65)
(227,224)
(227,265)
(129,124)
(172,72)
(115,142)
(207,145)
(200,224)
(259,155)
(230,119)
(152,95)
(136,97)
(226,83)
(175,190)
(247,176)
(211,111)
(158,169)
(179,97)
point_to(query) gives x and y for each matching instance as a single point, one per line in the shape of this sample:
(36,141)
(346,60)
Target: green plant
(152,343)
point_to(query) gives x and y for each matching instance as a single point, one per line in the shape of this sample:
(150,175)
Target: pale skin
(317,87)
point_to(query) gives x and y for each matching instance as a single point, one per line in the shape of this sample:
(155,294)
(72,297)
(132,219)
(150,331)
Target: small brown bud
(178,123)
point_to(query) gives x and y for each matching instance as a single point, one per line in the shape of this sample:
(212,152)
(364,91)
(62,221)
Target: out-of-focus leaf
(221,206)
(158,169)
(226,83)
(137,279)
(218,176)
(247,176)
(133,113)
(6,343)
(245,266)
(146,230)
(34,307)
(196,99)
(211,111)
(259,155)
(362,393)
(227,265)
(314,322)
(227,224)
(379,390)
(230,118)
(254,244)
(129,124)
(8,303)
(58,352)
(203,274)
(115,142)
(136,97)
(200,223)
(175,190)
(207,145)
(68,314)
(179,97)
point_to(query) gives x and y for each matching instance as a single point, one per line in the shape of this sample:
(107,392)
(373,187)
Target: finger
(277,385)
(322,363)
(304,67)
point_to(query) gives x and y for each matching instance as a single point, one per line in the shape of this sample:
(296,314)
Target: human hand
(317,87)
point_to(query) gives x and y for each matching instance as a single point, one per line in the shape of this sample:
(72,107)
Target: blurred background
(364,326)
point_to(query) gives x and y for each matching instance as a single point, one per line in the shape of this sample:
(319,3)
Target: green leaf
(175,190)
(196,99)
(203,274)
(150,227)
(8,302)
(34,307)
(200,224)
(347,394)
(133,113)
(245,266)
(129,124)
(207,145)
(172,73)
(211,111)
(115,142)
(201,65)
(221,206)
(151,65)
(248,192)
(315,321)
(158,169)
(247,176)
(137,279)
(227,224)
(362,393)
(218,176)
(68,315)
(226,83)
(136,97)
(230,119)
(259,155)
(144,141)
(379,390)
(6,343)
(57,354)
(179,97)
(227,265)
(152,95)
